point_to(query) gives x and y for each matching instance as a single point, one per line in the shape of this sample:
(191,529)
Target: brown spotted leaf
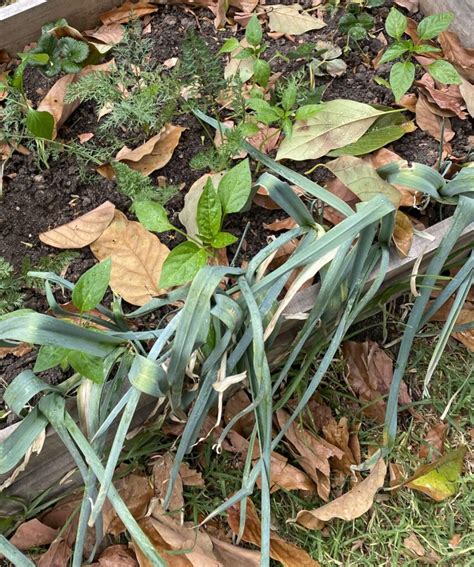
(82,231)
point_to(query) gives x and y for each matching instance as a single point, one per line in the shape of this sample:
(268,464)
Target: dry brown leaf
(136,491)
(116,556)
(311,452)
(235,405)
(189,476)
(465,316)
(283,224)
(288,554)
(369,376)
(467,91)
(150,156)
(33,533)
(81,231)
(228,554)
(433,442)
(161,476)
(411,5)
(349,506)
(17,350)
(447,97)
(337,433)
(54,103)
(266,140)
(459,56)
(408,101)
(455,541)
(403,233)
(58,555)
(109,35)
(413,544)
(126,12)
(83,138)
(137,259)
(429,122)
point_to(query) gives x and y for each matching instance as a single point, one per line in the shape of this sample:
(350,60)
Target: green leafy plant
(65,55)
(356,23)
(185,260)
(402,73)
(10,295)
(253,35)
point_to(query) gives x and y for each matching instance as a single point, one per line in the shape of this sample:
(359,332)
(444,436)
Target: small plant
(402,73)
(253,52)
(65,55)
(10,295)
(185,260)
(356,23)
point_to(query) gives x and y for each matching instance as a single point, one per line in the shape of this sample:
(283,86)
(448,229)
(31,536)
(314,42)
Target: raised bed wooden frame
(20,23)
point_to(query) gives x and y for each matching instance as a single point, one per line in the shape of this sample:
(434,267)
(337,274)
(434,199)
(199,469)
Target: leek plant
(235,330)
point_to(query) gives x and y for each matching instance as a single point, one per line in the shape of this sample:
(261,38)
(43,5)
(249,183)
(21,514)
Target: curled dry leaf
(17,350)
(337,433)
(150,156)
(83,138)
(33,533)
(126,12)
(283,224)
(467,92)
(110,35)
(411,5)
(430,122)
(287,553)
(137,259)
(81,231)
(266,140)
(446,97)
(291,20)
(349,506)
(370,372)
(403,233)
(433,442)
(459,56)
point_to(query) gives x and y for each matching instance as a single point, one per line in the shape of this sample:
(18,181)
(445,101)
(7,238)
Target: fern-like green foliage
(11,296)
(57,264)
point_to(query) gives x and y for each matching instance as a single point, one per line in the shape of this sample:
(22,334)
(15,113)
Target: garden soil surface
(36,200)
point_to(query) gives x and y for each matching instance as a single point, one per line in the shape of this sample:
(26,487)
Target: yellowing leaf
(362,179)
(439,479)
(403,233)
(81,231)
(290,20)
(137,259)
(339,123)
(349,506)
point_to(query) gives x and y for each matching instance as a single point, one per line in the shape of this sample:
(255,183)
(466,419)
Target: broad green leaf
(426,48)
(261,72)
(235,187)
(91,367)
(439,479)
(396,24)
(223,239)
(357,32)
(92,285)
(290,19)
(40,124)
(402,76)
(444,72)
(288,98)
(152,216)
(182,264)
(229,45)
(339,123)
(253,31)
(39,58)
(366,21)
(362,179)
(209,213)
(393,52)
(264,111)
(346,22)
(49,357)
(431,26)
(244,53)
(386,129)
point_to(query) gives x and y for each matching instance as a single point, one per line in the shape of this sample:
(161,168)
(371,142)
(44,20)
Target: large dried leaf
(81,231)
(151,155)
(287,553)
(137,259)
(126,12)
(291,20)
(453,51)
(403,233)
(370,372)
(33,533)
(349,506)
(339,123)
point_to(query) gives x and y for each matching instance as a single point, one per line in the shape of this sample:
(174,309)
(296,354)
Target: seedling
(402,73)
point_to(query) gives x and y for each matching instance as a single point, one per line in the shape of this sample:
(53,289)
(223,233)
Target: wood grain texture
(462,10)
(20,23)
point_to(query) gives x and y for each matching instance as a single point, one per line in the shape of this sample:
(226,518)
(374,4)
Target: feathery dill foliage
(12,123)
(138,187)
(201,71)
(57,264)
(10,295)
(141,95)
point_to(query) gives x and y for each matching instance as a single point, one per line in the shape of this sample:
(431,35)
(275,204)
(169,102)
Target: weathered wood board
(20,23)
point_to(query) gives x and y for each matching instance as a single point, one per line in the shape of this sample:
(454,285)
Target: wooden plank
(20,23)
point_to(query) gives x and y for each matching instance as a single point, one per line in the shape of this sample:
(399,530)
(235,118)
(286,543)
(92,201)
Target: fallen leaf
(411,5)
(57,555)
(446,97)
(137,259)
(266,140)
(403,233)
(439,479)
(17,350)
(150,156)
(189,476)
(262,199)
(408,101)
(287,553)
(467,92)
(161,476)
(283,224)
(110,35)
(337,433)
(339,123)
(81,231)
(83,138)
(433,443)
(465,316)
(370,372)
(228,554)
(429,122)
(291,20)
(136,491)
(455,541)
(33,533)
(413,544)
(116,556)
(126,12)
(236,403)
(349,506)
(459,56)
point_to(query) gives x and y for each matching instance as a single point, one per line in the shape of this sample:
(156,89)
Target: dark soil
(37,199)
